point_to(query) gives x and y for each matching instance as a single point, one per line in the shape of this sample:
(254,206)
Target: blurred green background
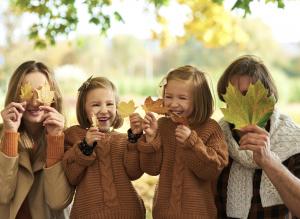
(150,40)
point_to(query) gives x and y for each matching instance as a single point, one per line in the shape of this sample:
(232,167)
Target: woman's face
(101,102)
(33,114)
(242,82)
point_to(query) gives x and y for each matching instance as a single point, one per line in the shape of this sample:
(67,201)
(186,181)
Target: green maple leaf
(253,108)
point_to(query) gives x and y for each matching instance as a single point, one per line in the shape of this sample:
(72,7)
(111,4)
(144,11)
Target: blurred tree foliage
(209,22)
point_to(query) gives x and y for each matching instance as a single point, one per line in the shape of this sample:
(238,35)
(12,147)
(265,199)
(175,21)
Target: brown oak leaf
(178,119)
(155,106)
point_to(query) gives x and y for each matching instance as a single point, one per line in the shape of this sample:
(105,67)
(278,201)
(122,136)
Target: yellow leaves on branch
(45,95)
(207,21)
(255,107)
(26,92)
(125,109)
(211,24)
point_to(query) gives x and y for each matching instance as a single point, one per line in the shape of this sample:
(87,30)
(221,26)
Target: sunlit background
(137,53)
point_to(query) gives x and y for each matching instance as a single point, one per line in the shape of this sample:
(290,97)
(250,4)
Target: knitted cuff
(10,143)
(191,141)
(133,138)
(55,149)
(151,147)
(82,159)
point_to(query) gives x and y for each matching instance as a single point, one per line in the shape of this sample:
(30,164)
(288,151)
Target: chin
(35,119)
(104,129)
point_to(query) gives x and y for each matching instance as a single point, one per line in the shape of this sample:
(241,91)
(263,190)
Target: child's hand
(150,126)
(136,123)
(93,135)
(53,120)
(182,133)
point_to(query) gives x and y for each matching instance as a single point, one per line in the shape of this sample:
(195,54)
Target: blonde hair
(88,85)
(13,94)
(251,66)
(203,103)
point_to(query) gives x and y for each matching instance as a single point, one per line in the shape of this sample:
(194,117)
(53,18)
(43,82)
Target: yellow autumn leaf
(95,122)
(45,95)
(125,109)
(26,92)
(255,107)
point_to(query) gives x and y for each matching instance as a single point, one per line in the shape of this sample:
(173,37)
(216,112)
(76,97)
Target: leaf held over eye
(45,95)
(26,92)
(125,109)
(253,108)
(155,106)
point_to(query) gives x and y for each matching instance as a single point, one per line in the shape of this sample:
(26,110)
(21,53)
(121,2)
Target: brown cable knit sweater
(103,179)
(187,171)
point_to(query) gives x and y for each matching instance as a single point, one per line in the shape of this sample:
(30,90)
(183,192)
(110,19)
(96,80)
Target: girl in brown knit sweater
(188,156)
(101,163)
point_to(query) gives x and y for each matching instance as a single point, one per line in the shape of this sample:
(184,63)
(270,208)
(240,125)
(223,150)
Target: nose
(103,109)
(173,103)
(34,100)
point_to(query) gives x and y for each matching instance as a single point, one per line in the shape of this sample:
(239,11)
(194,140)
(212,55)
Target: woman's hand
(136,122)
(53,121)
(182,133)
(93,135)
(12,115)
(150,126)
(257,140)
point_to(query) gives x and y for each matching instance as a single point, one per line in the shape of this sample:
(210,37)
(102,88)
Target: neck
(34,130)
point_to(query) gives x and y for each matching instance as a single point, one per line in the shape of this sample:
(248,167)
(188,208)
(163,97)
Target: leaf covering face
(125,109)
(253,108)
(26,92)
(45,95)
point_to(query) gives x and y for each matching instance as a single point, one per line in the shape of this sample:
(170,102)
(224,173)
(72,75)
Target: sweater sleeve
(132,161)
(55,149)
(75,164)
(208,159)
(8,166)
(58,192)
(9,144)
(150,155)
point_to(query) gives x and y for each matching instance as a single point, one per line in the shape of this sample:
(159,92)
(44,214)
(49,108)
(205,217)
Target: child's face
(178,97)
(242,82)
(101,102)
(33,114)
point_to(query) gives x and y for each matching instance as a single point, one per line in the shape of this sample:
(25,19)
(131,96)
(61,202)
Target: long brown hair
(251,66)
(203,103)
(13,94)
(88,85)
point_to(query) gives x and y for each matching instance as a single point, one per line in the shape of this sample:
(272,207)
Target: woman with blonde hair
(32,181)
